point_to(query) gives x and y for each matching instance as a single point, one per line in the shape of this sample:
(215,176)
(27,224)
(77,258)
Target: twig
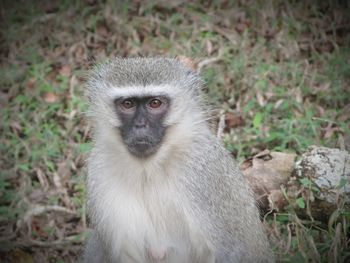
(66,241)
(42,179)
(208,61)
(40,209)
(59,185)
(221,126)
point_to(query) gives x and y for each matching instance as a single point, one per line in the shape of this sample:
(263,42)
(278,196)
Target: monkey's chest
(155,227)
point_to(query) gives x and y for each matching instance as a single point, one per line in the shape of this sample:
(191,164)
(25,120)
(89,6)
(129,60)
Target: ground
(276,72)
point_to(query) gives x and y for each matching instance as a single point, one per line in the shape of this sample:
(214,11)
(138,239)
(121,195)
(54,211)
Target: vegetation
(278,71)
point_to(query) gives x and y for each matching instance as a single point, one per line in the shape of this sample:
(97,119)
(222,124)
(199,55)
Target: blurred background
(277,74)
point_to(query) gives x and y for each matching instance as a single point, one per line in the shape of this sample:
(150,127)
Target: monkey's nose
(140,123)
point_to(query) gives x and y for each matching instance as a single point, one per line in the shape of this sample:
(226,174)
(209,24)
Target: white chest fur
(145,220)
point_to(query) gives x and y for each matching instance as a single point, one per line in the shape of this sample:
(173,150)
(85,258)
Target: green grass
(283,67)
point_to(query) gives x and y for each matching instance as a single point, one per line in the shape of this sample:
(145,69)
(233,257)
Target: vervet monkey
(161,188)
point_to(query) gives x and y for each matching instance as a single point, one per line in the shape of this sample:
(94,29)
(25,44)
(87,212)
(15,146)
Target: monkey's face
(142,122)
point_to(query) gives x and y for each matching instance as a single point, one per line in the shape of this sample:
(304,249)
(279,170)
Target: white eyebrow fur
(137,91)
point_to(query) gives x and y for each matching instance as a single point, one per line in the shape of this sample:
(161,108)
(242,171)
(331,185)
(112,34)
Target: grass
(282,67)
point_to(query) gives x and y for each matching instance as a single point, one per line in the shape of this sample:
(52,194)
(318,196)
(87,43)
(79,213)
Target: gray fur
(124,72)
(188,202)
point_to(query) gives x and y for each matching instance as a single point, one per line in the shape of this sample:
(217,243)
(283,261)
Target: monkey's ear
(188,62)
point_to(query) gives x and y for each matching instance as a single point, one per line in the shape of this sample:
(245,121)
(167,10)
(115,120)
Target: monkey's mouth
(142,147)
(143,143)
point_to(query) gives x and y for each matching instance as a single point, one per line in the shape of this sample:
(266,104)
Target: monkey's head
(140,100)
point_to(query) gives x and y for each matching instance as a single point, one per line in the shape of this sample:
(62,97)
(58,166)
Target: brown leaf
(50,97)
(64,171)
(37,195)
(330,131)
(44,182)
(31,83)
(209,46)
(37,225)
(233,120)
(278,103)
(276,200)
(78,53)
(65,71)
(260,98)
(240,27)
(187,62)
(16,126)
(102,31)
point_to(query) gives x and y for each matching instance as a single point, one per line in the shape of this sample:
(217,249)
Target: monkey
(160,186)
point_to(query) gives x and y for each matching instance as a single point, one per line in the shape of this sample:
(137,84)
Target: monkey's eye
(155,103)
(128,104)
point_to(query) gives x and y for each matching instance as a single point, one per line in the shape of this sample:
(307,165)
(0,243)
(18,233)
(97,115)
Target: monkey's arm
(234,228)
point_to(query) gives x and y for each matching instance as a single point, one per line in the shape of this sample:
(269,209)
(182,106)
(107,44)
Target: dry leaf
(50,97)
(187,62)
(16,126)
(260,98)
(276,200)
(241,27)
(209,46)
(102,31)
(31,83)
(65,71)
(233,120)
(64,171)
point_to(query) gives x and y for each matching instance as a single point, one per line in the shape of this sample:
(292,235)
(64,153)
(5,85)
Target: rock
(329,172)
(265,173)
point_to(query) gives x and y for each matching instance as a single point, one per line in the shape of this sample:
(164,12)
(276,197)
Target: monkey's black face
(142,126)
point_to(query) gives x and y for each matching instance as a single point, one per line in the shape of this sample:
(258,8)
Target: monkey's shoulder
(214,180)
(212,161)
